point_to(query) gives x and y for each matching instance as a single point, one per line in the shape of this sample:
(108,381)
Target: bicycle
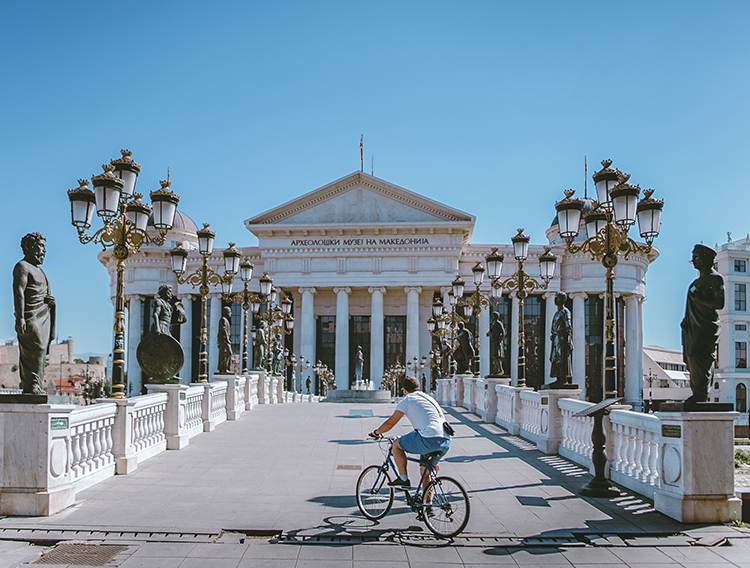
(443,506)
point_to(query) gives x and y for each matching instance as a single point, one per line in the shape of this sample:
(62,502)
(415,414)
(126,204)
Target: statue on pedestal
(497,345)
(168,311)
(464,352)
(224,341)
(700,328)
(561,355)
(259,347)
(35,313)
(359,363)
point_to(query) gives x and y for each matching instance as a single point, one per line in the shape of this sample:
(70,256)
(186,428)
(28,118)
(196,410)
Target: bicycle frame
(414,501)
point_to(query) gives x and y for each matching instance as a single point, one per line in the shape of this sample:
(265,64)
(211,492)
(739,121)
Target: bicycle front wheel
(446,507)
(374,496)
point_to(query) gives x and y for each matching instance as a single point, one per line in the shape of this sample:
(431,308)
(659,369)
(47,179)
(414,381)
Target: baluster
(631,452)
(97,426)
(89,445)
(643,458)
(108,440)
(76,450)
(653,477)
(617,458)
(638,454)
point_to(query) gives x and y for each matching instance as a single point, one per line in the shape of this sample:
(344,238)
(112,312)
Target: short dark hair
(410,384)
(30,240)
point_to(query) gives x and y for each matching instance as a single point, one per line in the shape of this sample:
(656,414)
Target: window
(533,319)
(325,348)
(740,266)
(740,354)
(740,297)
(236,328)
(594,317)
(359,336)
(740,398)
(395,340)
(740,327)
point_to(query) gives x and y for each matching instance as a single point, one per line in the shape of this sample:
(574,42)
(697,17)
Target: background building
(373,255)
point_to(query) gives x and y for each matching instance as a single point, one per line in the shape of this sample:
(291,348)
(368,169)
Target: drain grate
(346,466)
(82,554)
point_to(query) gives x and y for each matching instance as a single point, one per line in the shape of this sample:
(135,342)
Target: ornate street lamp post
(125,219)
(522,283)
(279,318)
(205,277)
(607,227)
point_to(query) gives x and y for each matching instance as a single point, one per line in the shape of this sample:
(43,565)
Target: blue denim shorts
(414,443)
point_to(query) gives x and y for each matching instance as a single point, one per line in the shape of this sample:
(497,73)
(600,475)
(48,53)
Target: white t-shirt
(422,411)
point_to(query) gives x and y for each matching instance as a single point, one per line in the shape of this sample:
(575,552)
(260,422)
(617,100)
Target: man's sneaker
(400,483)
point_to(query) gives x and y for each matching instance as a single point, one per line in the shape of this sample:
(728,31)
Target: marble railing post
(490,411)
(377,337)
(37,481)
(174,415)
(342,337)
(551,434)
(234,408)
(122,437)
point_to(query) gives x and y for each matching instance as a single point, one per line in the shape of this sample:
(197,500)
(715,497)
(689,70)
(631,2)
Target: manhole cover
(81,554)
(356,467)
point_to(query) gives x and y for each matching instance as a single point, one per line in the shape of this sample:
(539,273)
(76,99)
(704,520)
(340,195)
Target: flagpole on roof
(585,178)
(361,153)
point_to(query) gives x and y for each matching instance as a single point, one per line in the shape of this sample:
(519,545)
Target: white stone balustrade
(235,402)
(636,441)
(531,415)
(251,391)
(214,405)
(264,388)
(506,405)
(489,405)
(139,431)
(91,445)
(576,443)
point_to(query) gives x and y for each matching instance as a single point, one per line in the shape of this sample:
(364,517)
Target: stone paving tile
(152,562)
(210,563)
(324,564)
(434,555)
(163,550)
(380,553)
(206,550)
(642,555)
(477,556)
(323,552)
(539,557)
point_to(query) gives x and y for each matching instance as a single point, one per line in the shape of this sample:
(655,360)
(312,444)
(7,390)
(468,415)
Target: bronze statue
(278,358)
(359,362)
(168,311)
(464,352)
(497,345)
(561,355)
(225,341)
(259,348)
(34,312)
(700,328)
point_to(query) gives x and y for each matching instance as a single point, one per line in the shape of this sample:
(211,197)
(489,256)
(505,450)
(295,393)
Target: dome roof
(588,206)
(181,222)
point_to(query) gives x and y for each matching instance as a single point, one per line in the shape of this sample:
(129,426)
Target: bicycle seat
(430,458)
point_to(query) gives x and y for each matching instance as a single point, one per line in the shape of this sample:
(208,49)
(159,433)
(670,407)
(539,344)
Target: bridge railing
(63,449)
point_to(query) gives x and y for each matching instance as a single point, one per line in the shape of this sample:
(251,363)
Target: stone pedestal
(264,385)
(122,433)
(458,389)
(251,390)
(174,416)
(234,397)
(489,413)
(696,467)
(467,400)
(551,427)
(35,476)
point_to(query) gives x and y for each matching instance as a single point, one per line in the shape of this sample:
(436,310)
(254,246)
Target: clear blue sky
(486,106)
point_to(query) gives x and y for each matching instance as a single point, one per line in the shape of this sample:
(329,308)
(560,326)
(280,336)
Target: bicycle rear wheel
(374,496)
(446,507)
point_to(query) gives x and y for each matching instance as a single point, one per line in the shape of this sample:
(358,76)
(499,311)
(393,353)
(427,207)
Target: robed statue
(224,341)
(700,328)
(464,352)
(497,345)
(359,363)
(34,312)
(561,355)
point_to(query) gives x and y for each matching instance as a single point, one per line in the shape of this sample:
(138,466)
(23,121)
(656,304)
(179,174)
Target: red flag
(361,150)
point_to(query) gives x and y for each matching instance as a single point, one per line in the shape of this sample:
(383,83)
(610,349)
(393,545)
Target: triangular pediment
(359,199)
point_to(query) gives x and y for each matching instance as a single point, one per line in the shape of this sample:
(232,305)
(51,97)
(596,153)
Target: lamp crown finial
(569,193)
(165,184)
(606,163)
(206,225)
(83,183)
(126,154)
(648,193)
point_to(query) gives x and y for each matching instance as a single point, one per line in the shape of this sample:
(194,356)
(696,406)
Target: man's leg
(399,456)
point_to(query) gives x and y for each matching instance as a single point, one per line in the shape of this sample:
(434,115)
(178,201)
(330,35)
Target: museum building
(375,256)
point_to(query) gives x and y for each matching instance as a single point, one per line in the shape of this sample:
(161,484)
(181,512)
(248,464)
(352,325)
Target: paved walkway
(290,470)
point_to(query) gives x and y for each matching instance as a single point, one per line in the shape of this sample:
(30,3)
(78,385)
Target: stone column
(484,342)
(377,337)
(186,339)
(412,322)
(342,337)
(549,310)
(633,351)
(213,332)
(307,326)
(135,320)
(513,345)
(579,341)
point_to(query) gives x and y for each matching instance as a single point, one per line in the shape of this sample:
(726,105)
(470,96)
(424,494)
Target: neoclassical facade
(373,256)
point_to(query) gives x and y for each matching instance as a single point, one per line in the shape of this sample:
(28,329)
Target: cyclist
(428,436)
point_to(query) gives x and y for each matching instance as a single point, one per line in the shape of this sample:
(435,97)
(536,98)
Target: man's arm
(19,287)
(388,424)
